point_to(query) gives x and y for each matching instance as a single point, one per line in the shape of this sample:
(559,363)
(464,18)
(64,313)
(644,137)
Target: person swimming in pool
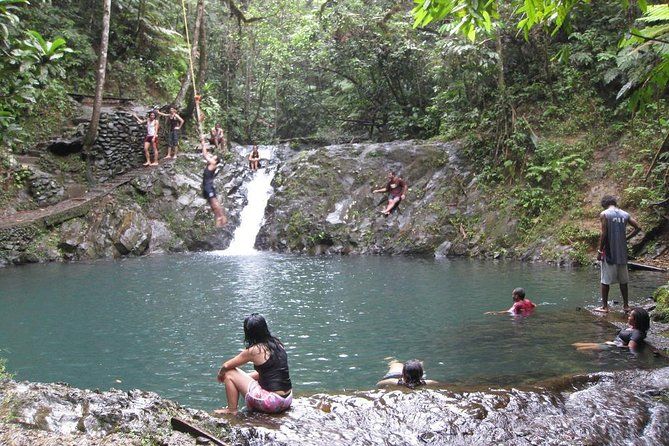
(409,374)
(269,388)
(521,305)
(632,337)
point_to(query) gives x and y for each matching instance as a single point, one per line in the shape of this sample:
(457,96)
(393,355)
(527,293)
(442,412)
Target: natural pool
(165,323)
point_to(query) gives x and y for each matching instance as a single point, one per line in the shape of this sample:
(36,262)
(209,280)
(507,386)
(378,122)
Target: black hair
(520,292)
(256,332)
(609,200)
(412,373)
(641,319)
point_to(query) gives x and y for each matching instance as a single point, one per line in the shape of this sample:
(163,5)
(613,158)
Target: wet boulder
(133,234)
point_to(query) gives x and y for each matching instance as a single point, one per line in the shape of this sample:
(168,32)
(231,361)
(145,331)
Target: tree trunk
(92,131)
(186,83)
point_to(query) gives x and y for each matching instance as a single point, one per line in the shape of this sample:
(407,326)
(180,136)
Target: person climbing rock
(175,123)
(254,158)
(269,388)
(151,138)
(612,250)
(208,191)
(409,374)
(521,305)
(396,188)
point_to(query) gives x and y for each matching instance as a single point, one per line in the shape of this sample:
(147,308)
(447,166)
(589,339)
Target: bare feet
(225,411)
(602,309)
(147,163)
(167,157)
(153,164)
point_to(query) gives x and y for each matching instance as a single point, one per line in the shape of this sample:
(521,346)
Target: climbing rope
(198,113)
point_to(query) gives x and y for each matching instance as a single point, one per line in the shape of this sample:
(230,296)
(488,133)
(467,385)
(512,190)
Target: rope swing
(196,97)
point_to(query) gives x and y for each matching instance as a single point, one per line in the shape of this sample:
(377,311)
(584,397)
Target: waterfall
(258,191)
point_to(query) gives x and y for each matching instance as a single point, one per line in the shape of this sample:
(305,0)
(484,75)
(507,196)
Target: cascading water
(259,189)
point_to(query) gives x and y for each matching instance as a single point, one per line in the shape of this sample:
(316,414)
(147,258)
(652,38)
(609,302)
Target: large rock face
(161,210)
(323,201)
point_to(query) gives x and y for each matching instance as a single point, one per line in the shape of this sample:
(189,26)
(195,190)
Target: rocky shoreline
(630,407)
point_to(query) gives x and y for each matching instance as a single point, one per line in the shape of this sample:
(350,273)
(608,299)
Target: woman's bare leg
(146,154)
(155,153)
(236,382)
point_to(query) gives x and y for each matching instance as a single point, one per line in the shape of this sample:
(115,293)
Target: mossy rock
(661,297)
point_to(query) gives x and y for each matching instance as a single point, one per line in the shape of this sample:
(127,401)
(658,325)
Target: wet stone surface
(629,407)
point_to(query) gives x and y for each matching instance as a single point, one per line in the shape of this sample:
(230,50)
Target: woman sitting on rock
(632,337)
(254,158)
(268,389)
(410,374)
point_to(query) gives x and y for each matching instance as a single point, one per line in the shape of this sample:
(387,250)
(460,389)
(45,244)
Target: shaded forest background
(538,103)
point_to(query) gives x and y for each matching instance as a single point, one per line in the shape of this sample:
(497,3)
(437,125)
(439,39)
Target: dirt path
(67,209)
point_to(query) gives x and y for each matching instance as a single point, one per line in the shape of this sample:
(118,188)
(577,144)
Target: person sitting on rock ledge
(396,188)
(208,191)
(269,388)
(632,337)
(409,374)
(217,137)
(521,305)
(254,158)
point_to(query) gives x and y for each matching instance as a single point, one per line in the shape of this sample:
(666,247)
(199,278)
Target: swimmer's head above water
(412,373)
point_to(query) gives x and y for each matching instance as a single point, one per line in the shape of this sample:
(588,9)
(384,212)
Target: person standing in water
(151,138)
(612,250)
(208,191)
(268,389)
(396,188)
(175,123)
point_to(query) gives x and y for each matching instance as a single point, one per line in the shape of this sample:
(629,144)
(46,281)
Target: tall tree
(92,132)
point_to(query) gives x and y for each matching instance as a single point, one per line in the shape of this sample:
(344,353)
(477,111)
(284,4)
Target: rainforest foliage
(534,87)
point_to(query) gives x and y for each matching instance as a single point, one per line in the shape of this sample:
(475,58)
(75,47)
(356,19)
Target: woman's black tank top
(274,372)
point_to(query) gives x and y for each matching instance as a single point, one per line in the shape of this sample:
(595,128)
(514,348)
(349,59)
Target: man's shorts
(265,401)
(614,273)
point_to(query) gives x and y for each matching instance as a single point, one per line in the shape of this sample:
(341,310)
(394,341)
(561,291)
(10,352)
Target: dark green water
(165,323)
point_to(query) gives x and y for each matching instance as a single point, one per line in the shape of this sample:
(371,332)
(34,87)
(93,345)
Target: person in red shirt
(521,305)
(396,188)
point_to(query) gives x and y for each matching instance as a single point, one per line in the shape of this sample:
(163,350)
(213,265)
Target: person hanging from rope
(151,138)
(396,188)
(175,123)
(208,192)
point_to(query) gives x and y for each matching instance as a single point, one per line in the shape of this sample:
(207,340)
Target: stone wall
(119,145)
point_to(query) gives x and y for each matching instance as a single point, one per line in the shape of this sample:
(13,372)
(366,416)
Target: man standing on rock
(396,189)
(612,249)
